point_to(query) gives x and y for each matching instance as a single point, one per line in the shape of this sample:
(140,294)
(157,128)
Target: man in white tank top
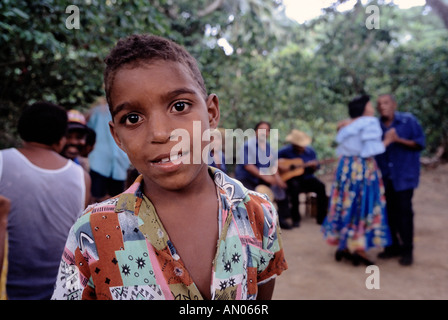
(47,194)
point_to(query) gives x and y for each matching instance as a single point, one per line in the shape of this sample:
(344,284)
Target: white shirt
(362,137)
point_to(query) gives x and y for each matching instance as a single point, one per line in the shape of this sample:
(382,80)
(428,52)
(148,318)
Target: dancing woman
(356,220)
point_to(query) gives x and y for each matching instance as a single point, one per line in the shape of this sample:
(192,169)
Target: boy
(144,243)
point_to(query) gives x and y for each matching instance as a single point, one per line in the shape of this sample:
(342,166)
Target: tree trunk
(440,8)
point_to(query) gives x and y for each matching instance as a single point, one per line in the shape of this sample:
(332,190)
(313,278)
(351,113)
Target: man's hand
(390,136)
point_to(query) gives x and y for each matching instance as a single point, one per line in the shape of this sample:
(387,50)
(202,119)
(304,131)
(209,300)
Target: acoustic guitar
(296,167)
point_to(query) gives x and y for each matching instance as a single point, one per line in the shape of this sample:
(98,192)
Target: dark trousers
(298,185)
(102,186)
(400,217)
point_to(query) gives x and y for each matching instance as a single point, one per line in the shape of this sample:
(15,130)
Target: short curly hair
(138,49)
(43,122)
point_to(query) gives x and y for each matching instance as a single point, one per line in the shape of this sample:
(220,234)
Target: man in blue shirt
(108,163)
(305,180)
(400,168)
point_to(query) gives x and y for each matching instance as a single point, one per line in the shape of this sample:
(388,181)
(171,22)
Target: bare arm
(5,206)
(88,183)
(273,179)
(344,123)
(252,169)
(266,290)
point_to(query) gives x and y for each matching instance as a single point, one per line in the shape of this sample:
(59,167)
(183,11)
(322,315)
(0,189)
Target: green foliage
(293,75)
(424,89)
(44,60)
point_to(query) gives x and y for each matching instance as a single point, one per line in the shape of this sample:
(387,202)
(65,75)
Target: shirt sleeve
(271,257)
(69,284)
(243,154)
(73,279)
(371,134)
(282,153)
(417,133)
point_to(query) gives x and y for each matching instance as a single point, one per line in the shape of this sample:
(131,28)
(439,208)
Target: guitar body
(296,167)
(290,168)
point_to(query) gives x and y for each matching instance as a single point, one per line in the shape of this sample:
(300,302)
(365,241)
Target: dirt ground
(314,274)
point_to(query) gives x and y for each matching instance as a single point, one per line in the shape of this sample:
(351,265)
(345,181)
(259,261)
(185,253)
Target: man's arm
(5,206)
(272,179)
(391,136)
(88,186)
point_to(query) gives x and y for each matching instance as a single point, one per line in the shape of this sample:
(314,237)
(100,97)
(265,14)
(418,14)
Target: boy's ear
(115,136)
(213,110)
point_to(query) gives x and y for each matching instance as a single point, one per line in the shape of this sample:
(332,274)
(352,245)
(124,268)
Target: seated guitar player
(297,164)
(252,175)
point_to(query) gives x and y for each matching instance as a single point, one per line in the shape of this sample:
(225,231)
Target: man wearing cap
(304,179)
(76,135)
(75,142)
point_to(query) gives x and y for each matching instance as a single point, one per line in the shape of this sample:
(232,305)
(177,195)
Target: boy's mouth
(168,158)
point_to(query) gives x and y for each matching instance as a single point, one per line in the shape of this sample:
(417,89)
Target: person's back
(47,194)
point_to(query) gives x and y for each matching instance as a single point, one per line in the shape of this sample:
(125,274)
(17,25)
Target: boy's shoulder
(125,201)
(101,209)
(108,205)
(234,189)
(240,198)
(237,198)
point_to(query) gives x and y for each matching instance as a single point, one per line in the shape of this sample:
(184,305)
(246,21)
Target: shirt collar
(232,190)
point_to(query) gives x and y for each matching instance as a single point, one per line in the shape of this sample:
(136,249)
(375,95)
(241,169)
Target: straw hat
(298,138)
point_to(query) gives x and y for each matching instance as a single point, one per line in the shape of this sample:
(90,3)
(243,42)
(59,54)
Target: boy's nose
(159,130)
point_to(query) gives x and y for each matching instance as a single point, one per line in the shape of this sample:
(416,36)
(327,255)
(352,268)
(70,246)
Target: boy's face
(149,102)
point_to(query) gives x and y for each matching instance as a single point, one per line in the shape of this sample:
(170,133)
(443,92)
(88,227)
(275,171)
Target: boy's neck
(190,218)
(198,190)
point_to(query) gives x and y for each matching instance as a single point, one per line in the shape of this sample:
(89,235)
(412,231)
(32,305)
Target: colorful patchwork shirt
(119,249)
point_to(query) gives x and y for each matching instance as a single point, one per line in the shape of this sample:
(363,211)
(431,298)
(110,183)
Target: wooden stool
(309,201)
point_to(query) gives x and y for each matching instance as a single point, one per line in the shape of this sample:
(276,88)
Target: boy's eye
(179,106)
(130,119)
(133,118)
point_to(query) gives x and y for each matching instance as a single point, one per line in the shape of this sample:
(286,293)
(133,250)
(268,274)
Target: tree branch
(210,8)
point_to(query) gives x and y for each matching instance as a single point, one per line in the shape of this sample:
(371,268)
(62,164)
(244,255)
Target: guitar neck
(302,164)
